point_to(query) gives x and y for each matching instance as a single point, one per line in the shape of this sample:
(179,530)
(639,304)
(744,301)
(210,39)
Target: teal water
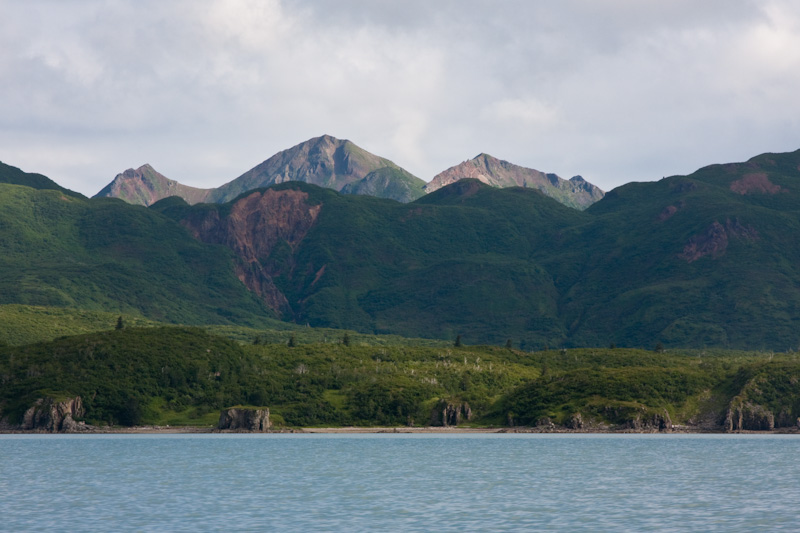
(399,483)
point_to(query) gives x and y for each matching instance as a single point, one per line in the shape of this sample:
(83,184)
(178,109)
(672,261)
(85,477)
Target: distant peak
(327,139)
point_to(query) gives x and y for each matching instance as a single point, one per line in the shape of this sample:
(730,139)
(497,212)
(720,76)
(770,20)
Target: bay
(399,482)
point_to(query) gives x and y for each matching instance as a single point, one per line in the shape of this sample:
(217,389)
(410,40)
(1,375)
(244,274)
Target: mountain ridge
(707,259)
(575,192)
(325,161)
(345,167)
(145,186)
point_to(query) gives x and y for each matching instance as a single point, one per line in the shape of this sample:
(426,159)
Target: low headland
(193,380)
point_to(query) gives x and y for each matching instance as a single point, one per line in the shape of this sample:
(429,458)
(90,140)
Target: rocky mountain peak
(325,161)
(145,186)
(576,192)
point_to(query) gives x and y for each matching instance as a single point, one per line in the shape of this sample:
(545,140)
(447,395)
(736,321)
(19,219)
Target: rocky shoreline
(51,416)
(87,429)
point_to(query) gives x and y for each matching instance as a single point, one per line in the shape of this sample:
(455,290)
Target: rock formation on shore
(243,419)
(748,416)
(447,414)
(48,414)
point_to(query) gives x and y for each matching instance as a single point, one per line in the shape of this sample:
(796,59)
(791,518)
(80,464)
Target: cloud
(615,90)
(526,112)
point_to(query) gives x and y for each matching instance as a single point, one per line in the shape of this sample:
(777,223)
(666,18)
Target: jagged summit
(146,186)
(328,162)
(325,161)
(575,192)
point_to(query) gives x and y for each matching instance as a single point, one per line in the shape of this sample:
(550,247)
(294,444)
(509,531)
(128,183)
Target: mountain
(388,182)
(438,266)
(708,259)
(103,254)
(575,192)
(324,161)
(145,186)
(327,162)
(15,176)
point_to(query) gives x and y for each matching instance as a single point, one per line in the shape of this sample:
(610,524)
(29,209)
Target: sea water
(404,482)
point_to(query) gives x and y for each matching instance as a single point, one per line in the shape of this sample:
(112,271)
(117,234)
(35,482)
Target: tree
(346,339)
(292,342)
(120,323)
(659,348)
(457,342)
(508,344)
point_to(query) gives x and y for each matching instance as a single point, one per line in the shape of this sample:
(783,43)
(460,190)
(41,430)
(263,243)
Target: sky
(203,90)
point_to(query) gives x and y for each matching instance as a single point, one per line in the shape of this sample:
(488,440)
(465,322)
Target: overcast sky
(614,90)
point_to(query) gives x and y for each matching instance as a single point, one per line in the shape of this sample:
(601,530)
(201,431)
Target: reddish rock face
(255,225)
(667,212)
(714,241)
(757,182)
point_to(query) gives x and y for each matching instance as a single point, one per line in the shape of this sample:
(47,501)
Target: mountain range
(342,166)
(708,259)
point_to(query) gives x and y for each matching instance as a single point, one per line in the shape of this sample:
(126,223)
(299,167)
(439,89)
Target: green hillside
(690,262)
(388,182)
(180,376)
(709,259)
(15,176)
(448,264)
(106,255)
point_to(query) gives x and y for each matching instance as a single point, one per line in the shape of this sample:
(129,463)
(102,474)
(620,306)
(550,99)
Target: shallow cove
(402,482)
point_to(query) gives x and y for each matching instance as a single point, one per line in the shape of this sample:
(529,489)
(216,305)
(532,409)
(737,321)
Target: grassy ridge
(28,324)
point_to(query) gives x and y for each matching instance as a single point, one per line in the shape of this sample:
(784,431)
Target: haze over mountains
(709,259)
(342,166)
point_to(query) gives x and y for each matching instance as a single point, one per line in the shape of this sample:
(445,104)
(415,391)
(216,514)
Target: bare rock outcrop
(714,240)
(651,422)
(575,421)
(50,415)
(747,416)
(638,419)
(253,227)
(243,419)
(446,413)
(756,182)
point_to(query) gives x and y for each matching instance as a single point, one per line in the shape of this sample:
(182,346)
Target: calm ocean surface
(509,482)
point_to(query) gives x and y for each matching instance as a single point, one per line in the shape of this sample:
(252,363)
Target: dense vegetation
(706,260)
(181,375)
(105,255)
(15,176)
(709,259)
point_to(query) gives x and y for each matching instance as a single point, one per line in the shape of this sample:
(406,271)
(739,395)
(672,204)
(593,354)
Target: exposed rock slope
(325,161)
(575,192)
(257,226)
(146,186)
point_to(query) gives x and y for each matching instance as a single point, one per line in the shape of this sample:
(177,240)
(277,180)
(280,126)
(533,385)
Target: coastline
(348,430)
